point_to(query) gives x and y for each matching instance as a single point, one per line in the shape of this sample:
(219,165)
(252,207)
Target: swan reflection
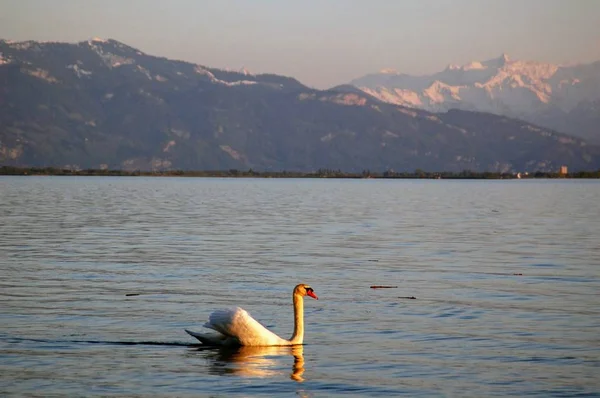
(258,361)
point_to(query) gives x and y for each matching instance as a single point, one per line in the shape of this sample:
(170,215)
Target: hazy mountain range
(563,98)
(103,104)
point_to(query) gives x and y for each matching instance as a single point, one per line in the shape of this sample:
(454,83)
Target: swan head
(305,290)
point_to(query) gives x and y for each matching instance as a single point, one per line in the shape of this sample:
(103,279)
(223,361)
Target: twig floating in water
(132,294)
(408,297)
(383,287)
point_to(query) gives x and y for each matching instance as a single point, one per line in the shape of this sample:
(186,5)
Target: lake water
(506,276)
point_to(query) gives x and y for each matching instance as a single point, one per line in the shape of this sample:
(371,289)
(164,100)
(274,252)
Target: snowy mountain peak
(474,65)
(499,62)
(534,91)
(502,59)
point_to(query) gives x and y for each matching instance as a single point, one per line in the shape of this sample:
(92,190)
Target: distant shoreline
(321,173)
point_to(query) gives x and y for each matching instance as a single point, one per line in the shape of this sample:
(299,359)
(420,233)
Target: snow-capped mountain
(565,98)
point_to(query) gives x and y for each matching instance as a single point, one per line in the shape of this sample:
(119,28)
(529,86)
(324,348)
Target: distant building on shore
(564,170)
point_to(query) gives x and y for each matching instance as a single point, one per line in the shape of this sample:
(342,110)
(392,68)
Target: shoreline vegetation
(321,173)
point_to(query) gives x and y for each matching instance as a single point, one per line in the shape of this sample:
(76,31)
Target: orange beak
(312,294)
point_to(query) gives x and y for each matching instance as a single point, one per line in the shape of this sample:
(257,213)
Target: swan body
(237,327)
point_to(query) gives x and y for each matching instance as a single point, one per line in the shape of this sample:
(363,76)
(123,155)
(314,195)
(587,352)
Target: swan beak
(312,294)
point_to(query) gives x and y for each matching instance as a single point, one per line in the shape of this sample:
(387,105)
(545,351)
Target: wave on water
(128,343)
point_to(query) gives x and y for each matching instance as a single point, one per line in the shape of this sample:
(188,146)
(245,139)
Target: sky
(322,43)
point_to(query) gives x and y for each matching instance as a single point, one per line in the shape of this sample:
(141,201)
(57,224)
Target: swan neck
(298,335)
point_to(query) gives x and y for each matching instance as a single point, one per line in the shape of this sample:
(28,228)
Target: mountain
(563,98)
(103,104)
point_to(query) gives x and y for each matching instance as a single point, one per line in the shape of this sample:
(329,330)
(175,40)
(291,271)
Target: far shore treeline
(321,173)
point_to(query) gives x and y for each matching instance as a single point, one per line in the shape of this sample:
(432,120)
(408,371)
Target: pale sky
(322,43)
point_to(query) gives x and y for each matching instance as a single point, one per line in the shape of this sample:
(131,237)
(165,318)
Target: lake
(101,275)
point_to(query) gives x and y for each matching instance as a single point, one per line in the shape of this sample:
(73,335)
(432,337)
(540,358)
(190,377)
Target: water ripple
(101,275)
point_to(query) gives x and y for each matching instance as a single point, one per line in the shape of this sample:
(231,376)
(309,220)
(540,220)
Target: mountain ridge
(103,104)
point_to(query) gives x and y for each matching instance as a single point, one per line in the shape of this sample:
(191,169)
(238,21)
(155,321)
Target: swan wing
(239,324)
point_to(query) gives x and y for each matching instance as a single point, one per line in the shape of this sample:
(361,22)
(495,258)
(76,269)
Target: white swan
(237,327)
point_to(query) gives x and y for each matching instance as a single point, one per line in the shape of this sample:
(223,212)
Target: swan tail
(207,339)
